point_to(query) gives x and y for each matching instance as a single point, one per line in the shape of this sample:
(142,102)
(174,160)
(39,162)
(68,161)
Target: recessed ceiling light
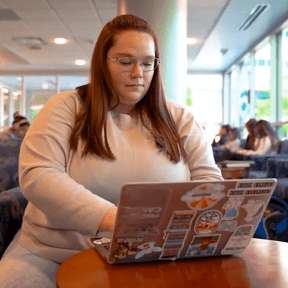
(191,41)
(80,62)
(60,41)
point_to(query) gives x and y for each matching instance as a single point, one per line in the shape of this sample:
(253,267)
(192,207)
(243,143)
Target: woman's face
(232,136)
(130,86)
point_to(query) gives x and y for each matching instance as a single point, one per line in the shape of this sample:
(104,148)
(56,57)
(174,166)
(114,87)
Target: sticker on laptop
(141,230)
(124,250)
(253,208)
(180,220)
(208,222)
(239,240)
(203,245)
(204,196)
(231,207)
(147,248)
(228,226)
(173,244)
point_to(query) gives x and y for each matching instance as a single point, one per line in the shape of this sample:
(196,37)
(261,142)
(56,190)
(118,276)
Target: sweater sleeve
(43,169)
(199,152)
(263,146)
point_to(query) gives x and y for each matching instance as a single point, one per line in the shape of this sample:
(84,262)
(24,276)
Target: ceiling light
(60,41)
(191,41)
(45,86)
(80,62)
(36,107)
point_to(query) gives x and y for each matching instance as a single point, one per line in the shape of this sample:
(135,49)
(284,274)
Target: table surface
(263,264)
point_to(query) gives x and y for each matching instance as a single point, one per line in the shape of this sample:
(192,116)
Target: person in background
(18,130)
(266,139)
(233,145)
(222,136)
(250,141)
(84,145)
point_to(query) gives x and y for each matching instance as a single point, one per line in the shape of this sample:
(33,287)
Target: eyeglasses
(128,63)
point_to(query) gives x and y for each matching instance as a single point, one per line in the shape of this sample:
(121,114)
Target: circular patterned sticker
(208,222)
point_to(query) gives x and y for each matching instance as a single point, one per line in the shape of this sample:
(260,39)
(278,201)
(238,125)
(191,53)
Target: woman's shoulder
(179,110)
(63,105)
(183,116)
(63,97)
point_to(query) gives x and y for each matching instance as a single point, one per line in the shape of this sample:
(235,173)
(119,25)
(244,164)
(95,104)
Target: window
(10,93)
(71,82)
(285,79)
(204,97)
(38,90)
(233,95)
(262,83)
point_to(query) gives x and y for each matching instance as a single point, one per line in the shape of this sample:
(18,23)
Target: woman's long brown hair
(263,128)
(91,121)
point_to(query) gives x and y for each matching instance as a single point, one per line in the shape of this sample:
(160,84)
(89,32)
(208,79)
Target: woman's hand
(108,221)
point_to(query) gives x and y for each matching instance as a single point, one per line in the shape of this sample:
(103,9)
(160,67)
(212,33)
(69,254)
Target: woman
(266,139)
(84,145)
(18,130)
(233,145)
(222,136)
(250,141)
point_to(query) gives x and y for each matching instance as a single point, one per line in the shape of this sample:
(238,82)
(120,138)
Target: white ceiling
(213,22)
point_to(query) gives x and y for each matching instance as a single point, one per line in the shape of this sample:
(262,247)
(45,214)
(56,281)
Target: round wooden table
(264,264)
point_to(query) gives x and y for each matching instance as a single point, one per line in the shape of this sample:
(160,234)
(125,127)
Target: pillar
(169,20)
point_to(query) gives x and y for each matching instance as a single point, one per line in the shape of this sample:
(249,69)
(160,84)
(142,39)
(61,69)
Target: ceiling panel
(42,26)
(83,25)
(227,35)
(70,4)
(105,4)
(3,5)
(26,4)
(10,58)
(107,15)
(213,22)
(206,4)
(81,15)
(11,26)
(35,14)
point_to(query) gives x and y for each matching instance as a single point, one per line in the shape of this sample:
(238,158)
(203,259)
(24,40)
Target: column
(169,20)
(11,106)
(23,97)
(1,107)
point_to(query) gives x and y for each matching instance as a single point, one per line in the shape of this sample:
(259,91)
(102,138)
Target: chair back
(9,158)
(283,148)
(11,215)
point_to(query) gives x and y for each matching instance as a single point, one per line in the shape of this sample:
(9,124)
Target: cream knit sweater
(69,194)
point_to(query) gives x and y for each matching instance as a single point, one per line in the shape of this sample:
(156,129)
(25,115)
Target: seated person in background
(84,145)
(233,145)
(222,136)
(18,130)
(250,142)
(266,139)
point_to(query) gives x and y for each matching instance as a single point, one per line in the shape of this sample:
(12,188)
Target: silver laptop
(180,220)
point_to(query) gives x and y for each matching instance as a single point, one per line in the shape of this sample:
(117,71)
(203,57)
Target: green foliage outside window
(263,106)
(263,111)
(188,97)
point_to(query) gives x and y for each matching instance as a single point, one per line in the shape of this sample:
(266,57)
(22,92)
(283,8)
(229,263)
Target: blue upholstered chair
(9,157)
(12,206)
(268,166)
